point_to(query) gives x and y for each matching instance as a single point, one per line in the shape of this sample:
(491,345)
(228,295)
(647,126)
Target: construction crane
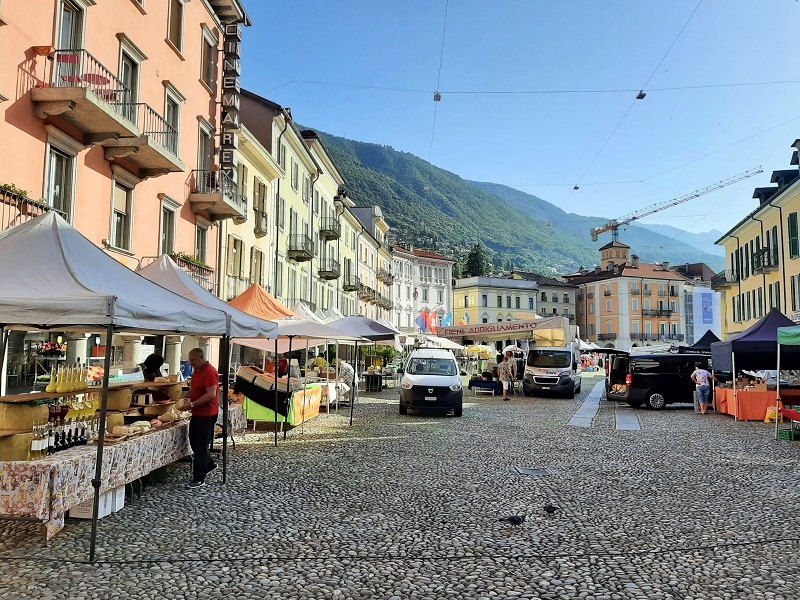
(614,224)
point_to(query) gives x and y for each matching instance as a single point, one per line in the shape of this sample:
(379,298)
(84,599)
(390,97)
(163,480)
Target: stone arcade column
(172,352)
(131,346)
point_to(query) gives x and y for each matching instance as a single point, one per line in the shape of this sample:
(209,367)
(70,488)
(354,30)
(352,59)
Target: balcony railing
(260,223)
(590,295)
(216,193)
(16,209)
(351,283)
(301,248)
(662,293)
(635,291)
(606,293)
(202,275)
(606,336)
(385,276)
(766,260)
(647,292)
(329,269)
(154,126)
(236,285)
(656,312)
(671,337)
(673,293)
(330,228)
(580,296)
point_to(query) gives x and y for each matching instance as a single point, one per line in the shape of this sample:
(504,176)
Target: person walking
(701,379)
(204,404)
(506,371)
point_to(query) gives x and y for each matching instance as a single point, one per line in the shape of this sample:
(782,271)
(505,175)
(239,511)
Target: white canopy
(167,274)
(440,342)
(54,277)
(331,314)
(301,311)
(304,334)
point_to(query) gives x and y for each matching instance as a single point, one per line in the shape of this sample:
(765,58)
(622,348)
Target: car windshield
(549,358)
(431,366)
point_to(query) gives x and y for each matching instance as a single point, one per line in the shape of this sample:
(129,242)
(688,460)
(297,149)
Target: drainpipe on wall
(286,119)
(763,273)
(311,230)
(783,252)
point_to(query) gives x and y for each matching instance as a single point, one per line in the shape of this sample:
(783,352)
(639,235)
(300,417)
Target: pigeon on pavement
(515,520)
(550,508)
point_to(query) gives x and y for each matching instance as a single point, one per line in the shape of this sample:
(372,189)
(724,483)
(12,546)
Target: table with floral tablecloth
(44,490)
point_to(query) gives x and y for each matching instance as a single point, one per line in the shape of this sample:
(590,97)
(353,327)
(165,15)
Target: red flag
(424,315)
(432,322)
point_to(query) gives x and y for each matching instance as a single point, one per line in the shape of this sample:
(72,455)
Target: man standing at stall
(204,404)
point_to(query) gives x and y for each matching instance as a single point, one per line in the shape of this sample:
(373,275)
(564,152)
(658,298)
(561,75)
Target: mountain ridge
(437,209)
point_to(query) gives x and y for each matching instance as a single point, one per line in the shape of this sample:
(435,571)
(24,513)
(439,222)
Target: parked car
(654,380)
(431,380)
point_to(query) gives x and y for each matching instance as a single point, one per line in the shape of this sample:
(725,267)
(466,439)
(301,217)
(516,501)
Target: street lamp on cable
(641,95)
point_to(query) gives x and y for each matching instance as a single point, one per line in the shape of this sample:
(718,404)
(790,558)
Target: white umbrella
(512,348)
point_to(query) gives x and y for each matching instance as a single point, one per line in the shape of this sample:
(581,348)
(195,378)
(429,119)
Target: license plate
(431,398)
(545,387)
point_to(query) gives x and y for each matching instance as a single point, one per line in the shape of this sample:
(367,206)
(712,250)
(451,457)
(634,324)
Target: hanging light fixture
(641,95)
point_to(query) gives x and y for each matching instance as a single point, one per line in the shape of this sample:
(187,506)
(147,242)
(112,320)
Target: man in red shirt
(204,396)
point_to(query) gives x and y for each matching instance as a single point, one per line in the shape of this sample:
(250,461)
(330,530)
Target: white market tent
(70,284)
(440,342)
(169,275)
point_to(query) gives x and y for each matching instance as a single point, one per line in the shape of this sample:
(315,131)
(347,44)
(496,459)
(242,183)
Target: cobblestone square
(396,507)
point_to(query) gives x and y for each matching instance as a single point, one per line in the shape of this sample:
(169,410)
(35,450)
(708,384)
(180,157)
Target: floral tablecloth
(46,489)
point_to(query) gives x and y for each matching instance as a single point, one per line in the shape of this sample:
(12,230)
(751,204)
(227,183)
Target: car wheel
(656,401)
(458,410)
(403,410)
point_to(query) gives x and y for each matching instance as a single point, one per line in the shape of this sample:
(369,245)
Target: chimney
(665,265)
(635,261)
(597,270)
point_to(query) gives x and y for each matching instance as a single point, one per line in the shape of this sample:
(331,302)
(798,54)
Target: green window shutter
(230,256)
(794,246)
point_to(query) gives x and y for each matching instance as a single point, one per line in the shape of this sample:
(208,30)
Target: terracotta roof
(423,253)
(542,279)
(645,270)
(615,244)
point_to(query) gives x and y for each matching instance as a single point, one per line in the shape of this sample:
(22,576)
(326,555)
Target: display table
(479,386)
(44,490)
(303,406)
(752,404)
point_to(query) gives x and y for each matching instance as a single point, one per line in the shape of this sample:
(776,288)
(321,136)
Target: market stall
(788,338)
(72,285)
(701,345)
(753,349)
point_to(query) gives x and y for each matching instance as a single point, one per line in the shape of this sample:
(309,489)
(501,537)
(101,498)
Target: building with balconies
(556,297)
(624,303)
(113,124)
(422,280)
(110,119)
(375,260)
(763,255)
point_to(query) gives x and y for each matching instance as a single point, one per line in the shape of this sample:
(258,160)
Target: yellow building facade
(493,299)
(762,253)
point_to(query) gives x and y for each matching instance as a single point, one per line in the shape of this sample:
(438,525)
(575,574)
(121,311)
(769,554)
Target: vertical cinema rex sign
(231,69)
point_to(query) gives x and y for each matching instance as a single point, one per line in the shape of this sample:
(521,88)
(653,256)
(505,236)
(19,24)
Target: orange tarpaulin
(258,302)
(752,405)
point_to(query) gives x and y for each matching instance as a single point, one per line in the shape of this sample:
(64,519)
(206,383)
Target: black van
(652,379)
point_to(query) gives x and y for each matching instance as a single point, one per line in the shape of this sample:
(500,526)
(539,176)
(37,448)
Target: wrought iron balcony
(673,293)
(671,337)
(662,293)
(351,283)
(606,336)
(647,292)
(635,291)
(579,296)
(86,94)
(301,248)
(330,228)
(656,312)
(590,295)
(606,293)
(385,276)
(214,195)
(329,269)
(765,261)
(16,209)
(260,223)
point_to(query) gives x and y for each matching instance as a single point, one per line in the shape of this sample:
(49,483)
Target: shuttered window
(794,246)
(176,23)
(235,257)
(121,217)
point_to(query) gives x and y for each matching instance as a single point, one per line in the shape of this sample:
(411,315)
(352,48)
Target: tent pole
(287,402)
(735,403)
(98,467)
(4,335)
(778,391)
(275,408)
(226,365)
(355,382)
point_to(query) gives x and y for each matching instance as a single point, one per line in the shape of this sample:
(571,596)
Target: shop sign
(231,100)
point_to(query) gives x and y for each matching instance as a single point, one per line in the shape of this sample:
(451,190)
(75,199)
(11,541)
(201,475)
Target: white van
(553,370)
(431,380)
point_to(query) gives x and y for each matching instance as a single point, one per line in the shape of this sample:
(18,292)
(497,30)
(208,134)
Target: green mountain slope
(436,209)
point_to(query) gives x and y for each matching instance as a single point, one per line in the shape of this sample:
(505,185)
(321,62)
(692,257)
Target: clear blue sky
(544,143)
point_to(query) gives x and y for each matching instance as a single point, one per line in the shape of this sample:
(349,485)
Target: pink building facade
(111,115)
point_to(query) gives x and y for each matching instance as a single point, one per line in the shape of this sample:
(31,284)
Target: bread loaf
(183,404)
(167,417)
(121,430)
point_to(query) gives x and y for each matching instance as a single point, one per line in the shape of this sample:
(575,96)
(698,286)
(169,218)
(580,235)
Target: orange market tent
(258,302)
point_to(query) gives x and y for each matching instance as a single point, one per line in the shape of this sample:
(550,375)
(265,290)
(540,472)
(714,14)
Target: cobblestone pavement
(397,507)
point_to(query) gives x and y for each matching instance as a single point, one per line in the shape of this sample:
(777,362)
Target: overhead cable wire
(438,81)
